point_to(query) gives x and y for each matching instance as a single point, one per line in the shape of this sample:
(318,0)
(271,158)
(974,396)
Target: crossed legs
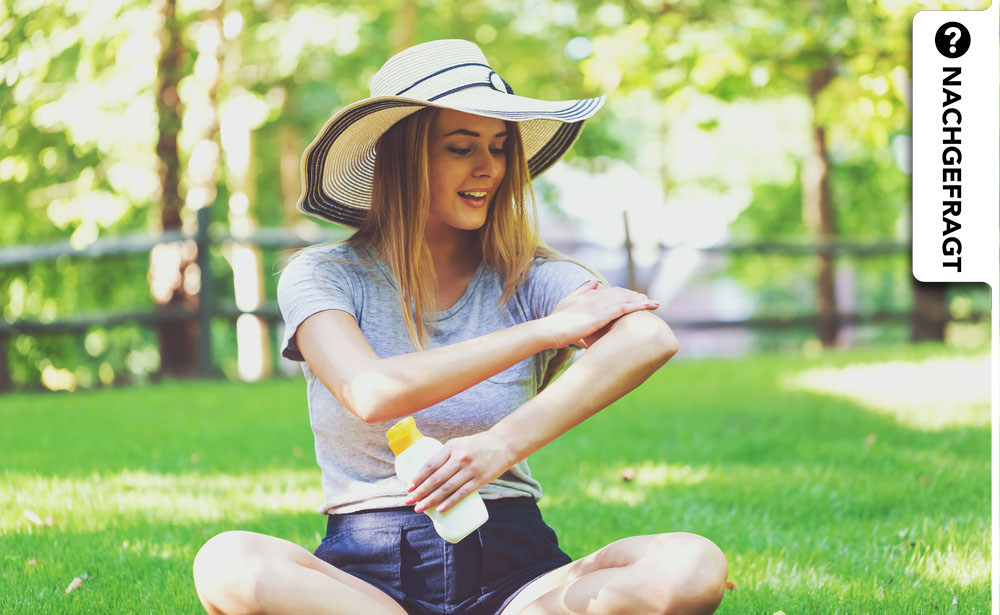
(243,573)
(661,574)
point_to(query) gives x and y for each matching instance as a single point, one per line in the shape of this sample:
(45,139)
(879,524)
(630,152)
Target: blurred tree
(77,159)
(174,279)
(848,59)
(854,58)
(109,122)
(930,315)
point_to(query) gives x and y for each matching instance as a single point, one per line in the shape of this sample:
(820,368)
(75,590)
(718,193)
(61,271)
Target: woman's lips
(475,202)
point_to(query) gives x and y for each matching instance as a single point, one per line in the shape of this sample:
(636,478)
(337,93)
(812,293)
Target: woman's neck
(456,254)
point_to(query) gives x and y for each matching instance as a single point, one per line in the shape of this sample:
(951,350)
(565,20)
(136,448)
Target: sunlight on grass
(775,571)
(91,501)
(953,566)
(931,395)
(663,474)
(942,551)
(634,489)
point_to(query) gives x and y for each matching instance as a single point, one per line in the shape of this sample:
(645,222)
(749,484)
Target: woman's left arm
(633,348)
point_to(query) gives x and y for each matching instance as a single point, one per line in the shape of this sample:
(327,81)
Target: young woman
(447,306)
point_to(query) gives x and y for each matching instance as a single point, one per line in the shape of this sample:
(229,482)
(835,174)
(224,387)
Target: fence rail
(141,243)
(270,313)
(290,238)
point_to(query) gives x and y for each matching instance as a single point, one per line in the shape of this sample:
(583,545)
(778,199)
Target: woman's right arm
(377,389)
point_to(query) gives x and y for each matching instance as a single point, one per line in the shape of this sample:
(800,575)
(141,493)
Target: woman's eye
(497,151)
(459,151)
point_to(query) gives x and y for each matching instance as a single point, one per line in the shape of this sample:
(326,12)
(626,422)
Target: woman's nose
(486,164)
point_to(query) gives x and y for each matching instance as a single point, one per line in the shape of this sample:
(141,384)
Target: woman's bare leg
(239,573)
(662,574)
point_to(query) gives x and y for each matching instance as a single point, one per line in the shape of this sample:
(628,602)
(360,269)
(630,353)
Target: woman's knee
(227,570)
(691,572)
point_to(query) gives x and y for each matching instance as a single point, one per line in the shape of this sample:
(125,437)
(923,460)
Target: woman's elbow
(652,334)
(368,412)
(362,398)
(667,341)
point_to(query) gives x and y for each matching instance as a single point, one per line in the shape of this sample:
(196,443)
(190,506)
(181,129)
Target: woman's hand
(588,309)
(457,470)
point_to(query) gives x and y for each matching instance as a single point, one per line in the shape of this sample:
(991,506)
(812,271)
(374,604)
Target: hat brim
(338,166)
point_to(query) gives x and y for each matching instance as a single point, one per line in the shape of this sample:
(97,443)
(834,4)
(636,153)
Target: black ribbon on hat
(489,81)
(506,86)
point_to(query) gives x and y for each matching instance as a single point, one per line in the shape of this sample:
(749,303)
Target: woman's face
(467,164)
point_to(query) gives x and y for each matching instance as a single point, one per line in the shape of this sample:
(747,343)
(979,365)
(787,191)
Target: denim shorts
(398,551)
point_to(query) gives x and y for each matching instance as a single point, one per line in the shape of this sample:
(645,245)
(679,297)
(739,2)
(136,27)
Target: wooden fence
(210,308)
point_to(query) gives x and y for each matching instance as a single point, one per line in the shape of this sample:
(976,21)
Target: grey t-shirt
(357,464)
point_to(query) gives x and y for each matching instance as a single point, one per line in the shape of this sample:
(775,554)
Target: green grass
(822,503)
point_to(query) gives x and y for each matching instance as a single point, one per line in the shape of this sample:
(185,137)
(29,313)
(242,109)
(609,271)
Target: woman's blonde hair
(400,204)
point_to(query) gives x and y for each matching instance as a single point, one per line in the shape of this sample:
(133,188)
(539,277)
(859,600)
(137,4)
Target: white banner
(956,146)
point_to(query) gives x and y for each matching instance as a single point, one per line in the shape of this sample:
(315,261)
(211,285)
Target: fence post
(4,371)
(628,256)
(206,294)
(929,315)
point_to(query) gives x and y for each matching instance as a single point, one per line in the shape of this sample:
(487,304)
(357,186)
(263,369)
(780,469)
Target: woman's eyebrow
(462,131)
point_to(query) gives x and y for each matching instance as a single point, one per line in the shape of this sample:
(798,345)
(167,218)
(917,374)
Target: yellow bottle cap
(403,434)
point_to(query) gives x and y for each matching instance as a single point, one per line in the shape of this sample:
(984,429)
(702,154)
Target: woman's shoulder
(326,262)
(340,249)
(557,276)
(555,266)
(331,255)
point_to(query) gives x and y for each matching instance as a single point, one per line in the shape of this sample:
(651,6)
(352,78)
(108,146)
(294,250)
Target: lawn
(855,482)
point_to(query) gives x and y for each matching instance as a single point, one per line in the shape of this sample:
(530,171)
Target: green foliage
(770,214)
(872,198)
(79,86)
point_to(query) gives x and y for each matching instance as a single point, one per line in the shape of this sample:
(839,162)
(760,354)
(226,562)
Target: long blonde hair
(400,205)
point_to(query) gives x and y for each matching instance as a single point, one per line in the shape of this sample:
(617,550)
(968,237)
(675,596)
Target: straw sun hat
(338,166)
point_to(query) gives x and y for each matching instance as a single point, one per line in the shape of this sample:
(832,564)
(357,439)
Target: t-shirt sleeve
(311,283)
(549,282)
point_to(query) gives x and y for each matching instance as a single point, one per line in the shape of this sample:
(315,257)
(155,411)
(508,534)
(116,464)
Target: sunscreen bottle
(412,449)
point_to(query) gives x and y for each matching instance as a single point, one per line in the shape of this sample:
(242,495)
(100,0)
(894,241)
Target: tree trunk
(173,273)
(630,279)
(817,211)
(403,33)
(4,370)
(930,311)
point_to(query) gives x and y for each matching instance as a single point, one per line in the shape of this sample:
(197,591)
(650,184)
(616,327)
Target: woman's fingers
(434,491)
(590,308)
(456,496)
(435,461)
(460,468)
(433,482)
(620,301)
(454,472)
(450,491)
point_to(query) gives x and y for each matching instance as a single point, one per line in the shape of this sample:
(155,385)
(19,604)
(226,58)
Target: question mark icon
(952,40)
(953,33)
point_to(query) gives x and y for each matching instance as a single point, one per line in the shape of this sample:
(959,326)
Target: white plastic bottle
(412,449)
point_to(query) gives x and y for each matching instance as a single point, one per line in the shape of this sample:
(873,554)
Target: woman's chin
(473,223)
